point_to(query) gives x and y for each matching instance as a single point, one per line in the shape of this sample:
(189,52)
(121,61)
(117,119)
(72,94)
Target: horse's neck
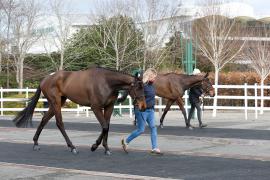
(122,81)
(190,81)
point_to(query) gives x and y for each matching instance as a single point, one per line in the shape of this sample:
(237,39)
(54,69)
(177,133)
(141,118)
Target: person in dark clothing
(195,95)
(147,116)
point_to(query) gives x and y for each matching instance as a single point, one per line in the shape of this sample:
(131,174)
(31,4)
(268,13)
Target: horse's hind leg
(47,116)
(167,108)
(181,106)
(59,122)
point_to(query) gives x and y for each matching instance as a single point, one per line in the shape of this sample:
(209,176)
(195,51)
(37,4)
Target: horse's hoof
(94,147)
(107,152)
(36,148)
(74,151)
(190,127)
(161,126)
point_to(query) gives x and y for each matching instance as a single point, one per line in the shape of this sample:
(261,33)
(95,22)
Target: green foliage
(37,66)
(174,51)
(12,80)
(98,43)
(42,62)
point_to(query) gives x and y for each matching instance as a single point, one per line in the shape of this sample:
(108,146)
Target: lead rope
(203,103)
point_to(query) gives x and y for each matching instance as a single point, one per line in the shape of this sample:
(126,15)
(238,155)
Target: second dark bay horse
(95,87)
(172,87)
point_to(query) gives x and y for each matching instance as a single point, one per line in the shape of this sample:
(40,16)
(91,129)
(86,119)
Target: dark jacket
(149,93)
(194,94)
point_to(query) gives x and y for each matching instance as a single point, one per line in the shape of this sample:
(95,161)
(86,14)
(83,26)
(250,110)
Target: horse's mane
(110,69)
(167,74)
(181,74)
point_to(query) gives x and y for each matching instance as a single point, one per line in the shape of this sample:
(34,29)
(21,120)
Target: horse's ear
(206,75)
(139,75)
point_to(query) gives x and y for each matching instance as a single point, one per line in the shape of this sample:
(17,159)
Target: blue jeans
(147,116)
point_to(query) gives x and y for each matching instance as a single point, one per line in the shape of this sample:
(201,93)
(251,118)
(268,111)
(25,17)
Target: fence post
(87,112)
(262,99)
(256,100)
(246,101)
(186,102)
(78,110)
(2,104)
(130,106)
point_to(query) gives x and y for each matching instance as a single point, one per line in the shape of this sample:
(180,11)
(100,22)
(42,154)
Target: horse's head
(137,92)
(207,86)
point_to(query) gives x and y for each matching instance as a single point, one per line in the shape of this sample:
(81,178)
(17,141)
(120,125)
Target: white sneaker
(156,151)
(124,145)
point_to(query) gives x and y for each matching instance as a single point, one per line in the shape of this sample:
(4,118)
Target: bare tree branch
(23,20)
(257,51)
(217,37)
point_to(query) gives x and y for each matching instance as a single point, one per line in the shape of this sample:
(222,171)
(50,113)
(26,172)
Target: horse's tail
(24,118)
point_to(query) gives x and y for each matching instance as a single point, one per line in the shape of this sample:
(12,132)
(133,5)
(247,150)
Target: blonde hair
(149,72)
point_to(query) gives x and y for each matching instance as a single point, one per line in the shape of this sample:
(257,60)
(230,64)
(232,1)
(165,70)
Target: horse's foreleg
(107,115)
(167,108)
(98,142)
(47,116)
(181,106)
(105,128)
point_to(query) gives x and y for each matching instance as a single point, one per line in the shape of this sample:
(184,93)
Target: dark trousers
(196,105)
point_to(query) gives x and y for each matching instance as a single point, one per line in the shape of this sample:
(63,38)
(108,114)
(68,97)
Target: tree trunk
(7,71)
(262,96)
(216,93)
(17,72)
(61,60)
(144,59)
(21,73)
(0,62)
(117,61)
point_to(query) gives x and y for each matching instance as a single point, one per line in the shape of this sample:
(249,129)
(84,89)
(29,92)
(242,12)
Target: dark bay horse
(172,87)
(95,87)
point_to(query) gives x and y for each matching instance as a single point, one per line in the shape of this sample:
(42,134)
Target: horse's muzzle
(141,104)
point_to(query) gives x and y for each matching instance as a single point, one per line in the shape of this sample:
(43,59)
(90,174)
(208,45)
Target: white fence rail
(245,108)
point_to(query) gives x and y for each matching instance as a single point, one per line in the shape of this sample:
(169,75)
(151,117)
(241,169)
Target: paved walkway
(229,148)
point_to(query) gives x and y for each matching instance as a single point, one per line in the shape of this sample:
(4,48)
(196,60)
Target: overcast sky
(261,7)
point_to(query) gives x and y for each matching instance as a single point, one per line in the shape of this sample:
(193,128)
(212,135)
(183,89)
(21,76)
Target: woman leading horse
(172,87)
(95,87)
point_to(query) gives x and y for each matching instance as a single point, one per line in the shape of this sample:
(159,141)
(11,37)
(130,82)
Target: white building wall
(48,29)
(159,32)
